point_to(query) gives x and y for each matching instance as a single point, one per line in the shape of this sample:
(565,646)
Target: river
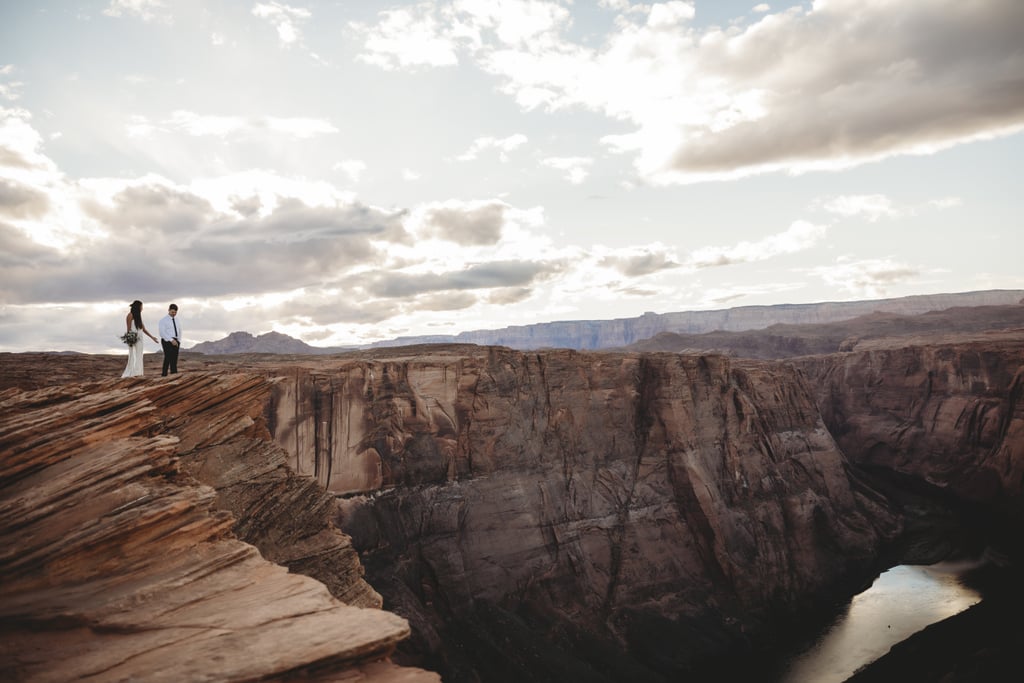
(901,602)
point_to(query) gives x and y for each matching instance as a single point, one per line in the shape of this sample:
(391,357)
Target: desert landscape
(511,342)
(479,513)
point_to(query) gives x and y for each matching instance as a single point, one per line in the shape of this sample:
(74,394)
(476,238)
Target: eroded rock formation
(638,512)
(117,565)
(546,516)
(945,409)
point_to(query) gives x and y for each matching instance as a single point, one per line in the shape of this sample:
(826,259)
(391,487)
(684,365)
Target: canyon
(546,515)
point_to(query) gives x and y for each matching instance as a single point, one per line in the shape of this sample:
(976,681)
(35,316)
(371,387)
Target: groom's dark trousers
(170,357)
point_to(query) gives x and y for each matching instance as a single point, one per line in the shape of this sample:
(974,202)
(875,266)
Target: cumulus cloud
(641,261)
(21,201)
(497,274)
(407,37)
(467,223)
(152,236)
(870,206)
(800,235)
(353,168)
(247,251)
(867,277)
(576,168)
(284,18)
(21,146)
(874,207)
(147,10)
(206,125)
(829,86)
(503,145)
(9,89)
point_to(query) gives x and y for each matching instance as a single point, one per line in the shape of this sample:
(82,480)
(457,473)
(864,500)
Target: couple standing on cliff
(170,339)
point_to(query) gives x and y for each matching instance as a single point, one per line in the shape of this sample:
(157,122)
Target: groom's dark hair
(174,306)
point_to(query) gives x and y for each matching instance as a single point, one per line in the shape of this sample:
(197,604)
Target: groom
(170,339)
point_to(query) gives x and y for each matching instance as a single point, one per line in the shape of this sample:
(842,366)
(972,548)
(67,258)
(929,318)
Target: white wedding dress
(134,367)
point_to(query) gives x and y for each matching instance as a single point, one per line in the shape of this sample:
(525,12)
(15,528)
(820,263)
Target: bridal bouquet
(130,337)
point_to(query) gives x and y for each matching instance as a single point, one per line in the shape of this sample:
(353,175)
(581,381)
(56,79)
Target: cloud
(10,90)
(800,235)
(404,38)
(152,236)
(21,145)
(875,207)
(503,145)
(576,168)
(868,277)
(870,206)
(507,296)
(465,223)
(205,125)
(669,14)
(284,18)
(946,203)
(252,250)
(833,85)
(353,168)
(18,250)
(641,261)
(20,201)
(497,274)
(147,10)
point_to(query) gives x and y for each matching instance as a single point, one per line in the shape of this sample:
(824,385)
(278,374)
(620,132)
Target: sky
(347,172)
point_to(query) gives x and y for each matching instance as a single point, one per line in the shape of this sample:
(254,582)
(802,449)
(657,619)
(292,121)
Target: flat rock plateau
(486,513)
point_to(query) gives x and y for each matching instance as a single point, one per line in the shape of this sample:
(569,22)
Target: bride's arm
(150,336)
(128,322)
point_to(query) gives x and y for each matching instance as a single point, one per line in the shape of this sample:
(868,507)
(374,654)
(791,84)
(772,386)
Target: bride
(133,322)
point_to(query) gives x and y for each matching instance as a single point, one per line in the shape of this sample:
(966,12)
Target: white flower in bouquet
(130,337)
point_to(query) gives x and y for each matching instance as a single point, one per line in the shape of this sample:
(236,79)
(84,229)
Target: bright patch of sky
(349,172)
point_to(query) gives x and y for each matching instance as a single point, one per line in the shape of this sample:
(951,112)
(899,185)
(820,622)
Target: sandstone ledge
(116,564)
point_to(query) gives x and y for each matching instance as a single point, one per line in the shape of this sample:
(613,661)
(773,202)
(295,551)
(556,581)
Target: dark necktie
(175,328)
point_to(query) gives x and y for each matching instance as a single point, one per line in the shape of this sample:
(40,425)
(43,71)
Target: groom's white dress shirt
(167,325)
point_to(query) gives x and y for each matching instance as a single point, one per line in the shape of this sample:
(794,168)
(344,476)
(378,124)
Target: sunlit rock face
(948,410)
(120,558)
(644,511)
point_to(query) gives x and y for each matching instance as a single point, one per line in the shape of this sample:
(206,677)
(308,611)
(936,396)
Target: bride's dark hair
(137,313)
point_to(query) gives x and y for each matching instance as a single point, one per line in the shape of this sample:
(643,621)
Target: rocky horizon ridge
(623,332)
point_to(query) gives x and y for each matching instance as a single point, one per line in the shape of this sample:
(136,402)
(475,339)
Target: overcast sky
(348,171)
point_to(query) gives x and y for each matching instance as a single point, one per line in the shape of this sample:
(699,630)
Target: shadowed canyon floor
(534,516)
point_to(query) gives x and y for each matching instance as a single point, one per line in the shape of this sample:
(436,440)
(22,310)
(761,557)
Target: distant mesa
(631,333)
(271,342)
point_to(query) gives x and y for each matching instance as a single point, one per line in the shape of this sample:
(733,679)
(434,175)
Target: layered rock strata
(117,565)
(618,516)
(604,334)
(583,516)
(948,410)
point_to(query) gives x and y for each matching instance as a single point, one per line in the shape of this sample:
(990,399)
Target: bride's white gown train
(134,367)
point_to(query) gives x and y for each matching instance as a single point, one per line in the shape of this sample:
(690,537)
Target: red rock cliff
(655,503)
(949,410)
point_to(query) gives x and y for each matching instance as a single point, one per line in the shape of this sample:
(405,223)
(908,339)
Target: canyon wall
(946,409)
(555,515)
(613,516)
